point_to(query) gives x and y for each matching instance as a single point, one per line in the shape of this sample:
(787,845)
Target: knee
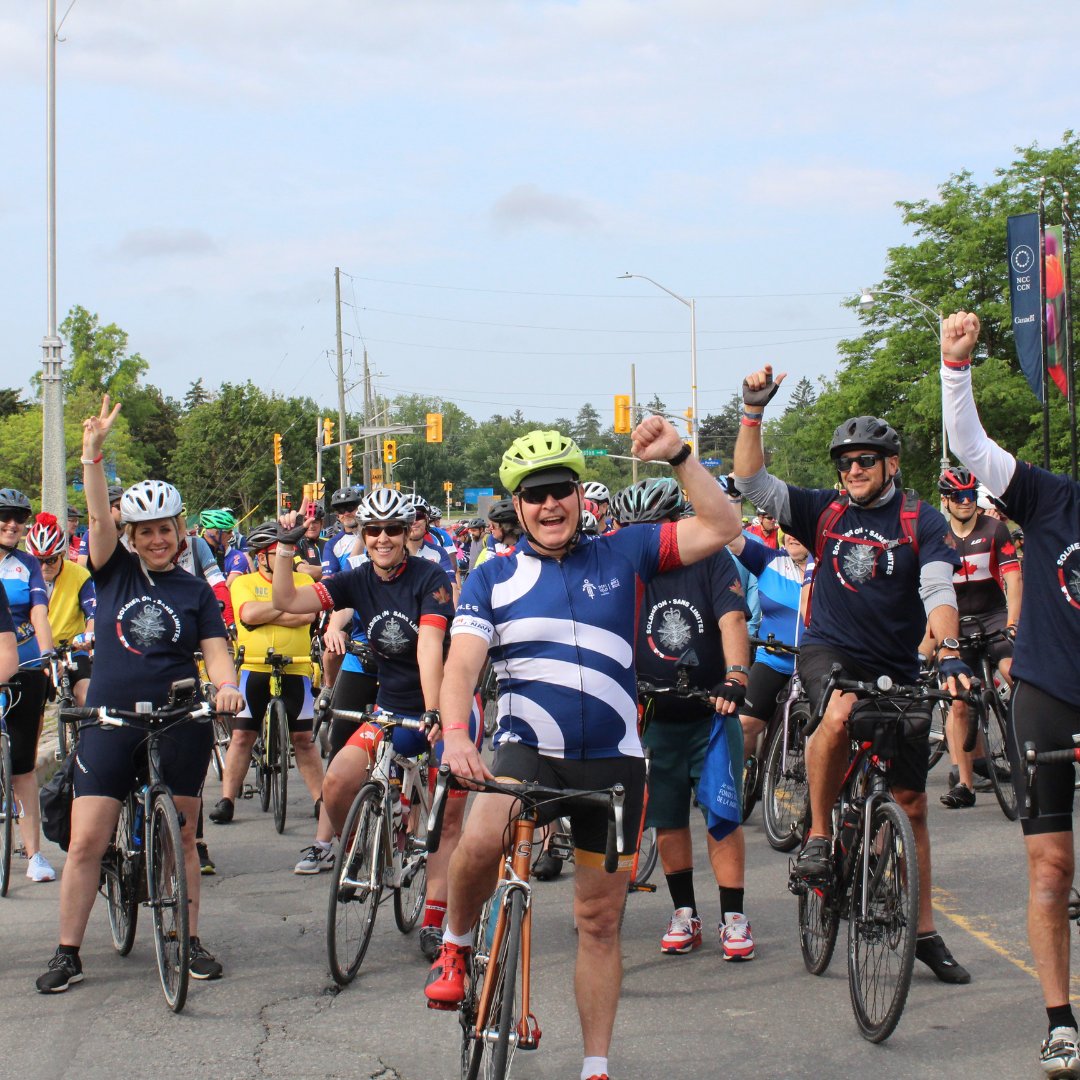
(1051,877)
(914,804)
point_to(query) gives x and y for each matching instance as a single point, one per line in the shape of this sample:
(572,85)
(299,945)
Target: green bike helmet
(541,451)
(217,519)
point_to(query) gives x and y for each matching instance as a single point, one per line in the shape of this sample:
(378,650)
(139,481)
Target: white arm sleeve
(968,441)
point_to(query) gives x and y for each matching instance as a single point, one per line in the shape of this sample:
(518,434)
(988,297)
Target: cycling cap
(589,524)
(150,500)
(386,505)
(650,500)
(554,455)
(13,499)
(956,478)
(502,512)
(45,537)
(217,519)
(866,431)
(593,489)
(263,536)
(347,496)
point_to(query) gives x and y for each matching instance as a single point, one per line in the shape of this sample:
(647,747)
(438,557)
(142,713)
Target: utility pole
(367,422)
(634,414)
(53,457)
(318,460)
(340,374)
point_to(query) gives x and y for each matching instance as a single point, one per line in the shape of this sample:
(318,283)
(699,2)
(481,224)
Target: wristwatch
(738,669)
(949,643)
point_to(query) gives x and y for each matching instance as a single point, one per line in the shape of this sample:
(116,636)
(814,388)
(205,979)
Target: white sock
(325,845)
(594,1066)
(462,940)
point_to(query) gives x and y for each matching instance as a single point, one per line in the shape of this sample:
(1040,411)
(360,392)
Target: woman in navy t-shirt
(152,618)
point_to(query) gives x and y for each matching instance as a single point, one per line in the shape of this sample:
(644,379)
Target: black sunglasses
(377,530)
(52,560)
(535,496)
(962,497)
(864,461)
(19,516)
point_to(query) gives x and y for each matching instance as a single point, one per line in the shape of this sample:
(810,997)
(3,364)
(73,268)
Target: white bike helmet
(150,500)
(593,489)
(386,505)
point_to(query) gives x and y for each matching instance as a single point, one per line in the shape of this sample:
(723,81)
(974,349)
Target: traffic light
(689,414)
(327,431)
(622,414)
(434,427)
(389,451)
(317,491)
(277,449)
(448,486)
(348,457)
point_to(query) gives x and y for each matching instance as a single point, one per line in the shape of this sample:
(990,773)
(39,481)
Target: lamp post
(693,351)
(933,320)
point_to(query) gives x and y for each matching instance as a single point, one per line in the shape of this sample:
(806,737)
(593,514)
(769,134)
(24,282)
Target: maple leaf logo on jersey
(442,594)
(966,569)
(737,588)
(1008,549)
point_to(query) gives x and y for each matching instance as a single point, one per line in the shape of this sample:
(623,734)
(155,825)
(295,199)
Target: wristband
(680,457)
(455,727)
(282,553)
(739,669)
(956,365)
(229,686)
(92,461)
(746,421)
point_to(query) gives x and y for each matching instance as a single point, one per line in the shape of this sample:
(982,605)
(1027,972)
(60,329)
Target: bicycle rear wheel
(881,942)
(63,731)
(938,743)
(120,869)
(166,881)
(410,894)
(784,787)
(260,755)
(751,785)
(995,734)
(7,813)
(819,922)
(278,759)
(647,855)
(357,885)
(221,746)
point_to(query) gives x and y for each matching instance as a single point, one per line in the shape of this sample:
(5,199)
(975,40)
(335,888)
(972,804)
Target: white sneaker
(1060,1055)
(315,859)
(39,869)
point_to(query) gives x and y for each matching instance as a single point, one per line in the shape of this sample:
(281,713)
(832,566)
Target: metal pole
(1042,327)
(367,422)
(53,455)
(340,375)
(693,377)
(277,488)
(1070,369)
(633,415)
(318,459)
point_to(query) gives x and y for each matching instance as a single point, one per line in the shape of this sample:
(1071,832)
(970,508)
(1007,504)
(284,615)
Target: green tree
(717,431)
(99,356)
(11,402)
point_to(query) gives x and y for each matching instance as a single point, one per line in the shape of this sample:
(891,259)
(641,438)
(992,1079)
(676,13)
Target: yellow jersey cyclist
(261,626)
(152,618)
(71,596)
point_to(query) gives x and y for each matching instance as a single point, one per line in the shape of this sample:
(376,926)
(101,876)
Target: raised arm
(101,533)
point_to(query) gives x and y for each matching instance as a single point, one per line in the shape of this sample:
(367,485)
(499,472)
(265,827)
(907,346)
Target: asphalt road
(277,1013)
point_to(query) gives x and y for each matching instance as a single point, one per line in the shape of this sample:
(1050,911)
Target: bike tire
(938,747)
(166,881)
(221,746)
(63,731)
(121,870)
(409,899)
(279,762)
(819,923)
(784,789)
(995,745)
(7,813)
(647,856)
(354,900)
(751,786)
(881,946)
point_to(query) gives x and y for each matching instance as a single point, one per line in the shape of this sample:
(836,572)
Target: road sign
(711,462)
(473,495)
(598,452)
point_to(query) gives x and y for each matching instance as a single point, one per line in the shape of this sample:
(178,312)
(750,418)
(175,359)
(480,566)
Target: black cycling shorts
(588,827)
(295,692)
(110,761)
(999,650)
(23,719)
(763,688)
(908,770)
(1050,723)
(354,691)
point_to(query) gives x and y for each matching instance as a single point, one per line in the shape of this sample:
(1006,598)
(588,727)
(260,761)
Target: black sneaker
(958,797)
(206,864)
(815,862)
(934,953)
(222,814)
(548,867)
(430,941)
(201,963)
(64,969)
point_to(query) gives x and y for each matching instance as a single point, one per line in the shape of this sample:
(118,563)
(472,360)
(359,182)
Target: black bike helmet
(263,536)
(864,431)
(956,479)
(346,496)
(116,493)
(656,499)
(502,512)
(13,499)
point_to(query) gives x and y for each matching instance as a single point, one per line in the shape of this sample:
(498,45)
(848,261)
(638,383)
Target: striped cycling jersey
(335,558)
(986,553)
(560,636)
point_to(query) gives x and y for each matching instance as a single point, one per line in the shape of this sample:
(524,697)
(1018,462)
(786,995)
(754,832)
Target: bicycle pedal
(442,1006)
(642,887)
(528,1033)
(248,792)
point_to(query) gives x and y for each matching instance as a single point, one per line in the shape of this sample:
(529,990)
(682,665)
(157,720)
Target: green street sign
(595,453)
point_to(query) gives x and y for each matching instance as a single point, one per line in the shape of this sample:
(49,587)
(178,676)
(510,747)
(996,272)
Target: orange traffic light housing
(434,427)
(622,414)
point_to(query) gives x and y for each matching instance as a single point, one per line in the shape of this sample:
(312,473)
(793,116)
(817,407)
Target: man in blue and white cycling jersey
(557,616)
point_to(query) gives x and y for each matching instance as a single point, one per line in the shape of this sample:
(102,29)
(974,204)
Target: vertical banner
(1024,293)
(1054,275)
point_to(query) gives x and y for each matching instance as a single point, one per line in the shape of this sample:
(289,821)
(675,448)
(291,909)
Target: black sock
(926,935)
(73,950)
(1060,1016)
(731,900)
(681,886)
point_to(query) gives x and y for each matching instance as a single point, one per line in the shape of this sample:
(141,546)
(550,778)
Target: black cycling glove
(953,665)
(760,398)
(291,536)
(730,691)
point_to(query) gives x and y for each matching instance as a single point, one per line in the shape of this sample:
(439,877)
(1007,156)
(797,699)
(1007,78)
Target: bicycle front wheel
(221,746)
(883,923)
(938,743)
(995,735)
(411,892)
(166,881)
(7,813)
(751,785)
(357,885)
(784,787)
(278,759)
(120,868)
(647,853)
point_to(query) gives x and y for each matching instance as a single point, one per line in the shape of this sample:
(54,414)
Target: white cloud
(161,243)
(526,205)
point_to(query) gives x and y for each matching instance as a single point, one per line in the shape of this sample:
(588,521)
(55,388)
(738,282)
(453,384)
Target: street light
(933,320)
(693,351)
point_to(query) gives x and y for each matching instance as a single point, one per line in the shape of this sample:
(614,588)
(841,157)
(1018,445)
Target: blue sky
(483,171)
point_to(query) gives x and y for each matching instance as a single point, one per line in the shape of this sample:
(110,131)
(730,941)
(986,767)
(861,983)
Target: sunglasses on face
(963,497)
(372,531)
(351,508)
(864,461)
(52,560)
(536,496)
(20,517)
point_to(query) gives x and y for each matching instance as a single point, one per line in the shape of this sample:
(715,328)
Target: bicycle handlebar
(1032,758)
(685,693)
(425,722)
(108,717)
(770,644)
(532,794)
